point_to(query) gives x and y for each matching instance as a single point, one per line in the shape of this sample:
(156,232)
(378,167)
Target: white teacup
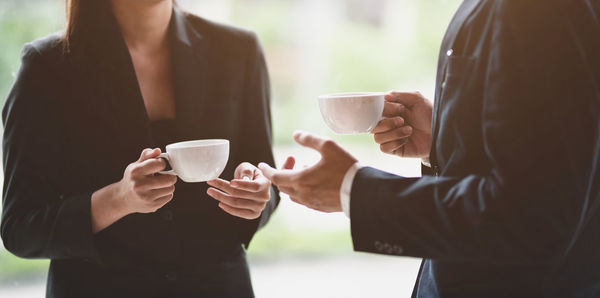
(352,113)
(197,161)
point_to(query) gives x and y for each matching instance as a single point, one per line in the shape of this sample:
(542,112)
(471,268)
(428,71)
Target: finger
(392,109)
(160,181)
(154,194)
(392,147)
(393,135)
(309,140)
(149,153)
(150,166)
(243,213)
(245,169)
(408,99)
(234,201)
(277,177)
(289,163)
(388,124)
(250,195)
(160,202)
(259,184)
(148,183)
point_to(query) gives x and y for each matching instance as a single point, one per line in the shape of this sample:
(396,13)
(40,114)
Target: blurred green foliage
(22,21)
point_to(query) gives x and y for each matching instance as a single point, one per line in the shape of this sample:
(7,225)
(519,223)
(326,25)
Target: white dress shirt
(347,187)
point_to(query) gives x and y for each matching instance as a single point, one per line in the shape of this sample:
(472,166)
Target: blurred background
(312,47)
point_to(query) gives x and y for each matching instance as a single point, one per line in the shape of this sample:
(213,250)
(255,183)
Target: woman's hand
(140,191)
(246,195)
(406,130)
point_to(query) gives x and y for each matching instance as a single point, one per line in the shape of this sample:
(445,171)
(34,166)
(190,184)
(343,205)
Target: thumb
(289,163)
(245,171)
(309,140)
(408,99)
(149,153)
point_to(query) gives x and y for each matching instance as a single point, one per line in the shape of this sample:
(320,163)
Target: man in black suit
(509,204)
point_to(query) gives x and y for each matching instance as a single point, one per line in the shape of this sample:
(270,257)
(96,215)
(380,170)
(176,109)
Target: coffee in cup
(197,161)
(352,113)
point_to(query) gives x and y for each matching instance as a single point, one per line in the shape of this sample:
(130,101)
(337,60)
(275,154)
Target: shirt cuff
(347,187)
(426,162)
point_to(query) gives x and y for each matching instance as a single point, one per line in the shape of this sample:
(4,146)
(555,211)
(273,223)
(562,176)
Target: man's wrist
(425,161)
(346,187)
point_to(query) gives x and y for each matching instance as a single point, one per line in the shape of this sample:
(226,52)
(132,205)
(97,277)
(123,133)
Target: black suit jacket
(73,122)
(511,206)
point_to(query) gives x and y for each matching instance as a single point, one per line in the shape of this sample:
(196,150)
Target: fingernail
(407,129)
(298,133)
(246,178)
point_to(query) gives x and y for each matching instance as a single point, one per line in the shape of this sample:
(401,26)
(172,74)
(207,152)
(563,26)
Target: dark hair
(71,10)
(79,15)
(82,16)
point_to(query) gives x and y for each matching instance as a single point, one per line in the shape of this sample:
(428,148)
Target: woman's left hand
(246,195)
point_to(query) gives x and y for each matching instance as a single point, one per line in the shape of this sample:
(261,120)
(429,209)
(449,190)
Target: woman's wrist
(107,207)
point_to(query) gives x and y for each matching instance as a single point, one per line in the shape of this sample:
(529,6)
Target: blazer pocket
(456,77)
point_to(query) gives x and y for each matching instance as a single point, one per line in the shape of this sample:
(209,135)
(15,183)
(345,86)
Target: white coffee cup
(197,161)
(352,113)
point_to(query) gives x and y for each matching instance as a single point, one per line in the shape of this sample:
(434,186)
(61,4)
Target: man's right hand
(140,189)
(406,129)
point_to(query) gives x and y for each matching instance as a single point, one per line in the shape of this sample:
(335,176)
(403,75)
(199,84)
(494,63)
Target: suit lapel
(189,61)
(105,62)
(466,9)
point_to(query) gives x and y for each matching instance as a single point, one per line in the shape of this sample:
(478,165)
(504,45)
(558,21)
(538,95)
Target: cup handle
(165,156)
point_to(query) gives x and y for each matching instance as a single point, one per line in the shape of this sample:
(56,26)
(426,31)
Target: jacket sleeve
(541,137)
(38,220)
(256,136)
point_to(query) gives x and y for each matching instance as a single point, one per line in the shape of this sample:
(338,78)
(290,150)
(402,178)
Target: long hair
(71,14)
(80,14)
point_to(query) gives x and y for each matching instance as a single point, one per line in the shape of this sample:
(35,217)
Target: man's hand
(406,131)
(318,186)
(246,196)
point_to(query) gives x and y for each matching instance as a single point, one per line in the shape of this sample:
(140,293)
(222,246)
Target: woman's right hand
(140,190)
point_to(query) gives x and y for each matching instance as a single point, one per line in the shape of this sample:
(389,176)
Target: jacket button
(436,170)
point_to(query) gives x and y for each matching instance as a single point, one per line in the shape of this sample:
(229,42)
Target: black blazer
(74,121)
(511,206)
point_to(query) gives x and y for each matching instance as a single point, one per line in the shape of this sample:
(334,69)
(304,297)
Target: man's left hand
(318,186)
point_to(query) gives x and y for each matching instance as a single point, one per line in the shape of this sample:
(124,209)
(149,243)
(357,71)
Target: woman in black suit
(81,190)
